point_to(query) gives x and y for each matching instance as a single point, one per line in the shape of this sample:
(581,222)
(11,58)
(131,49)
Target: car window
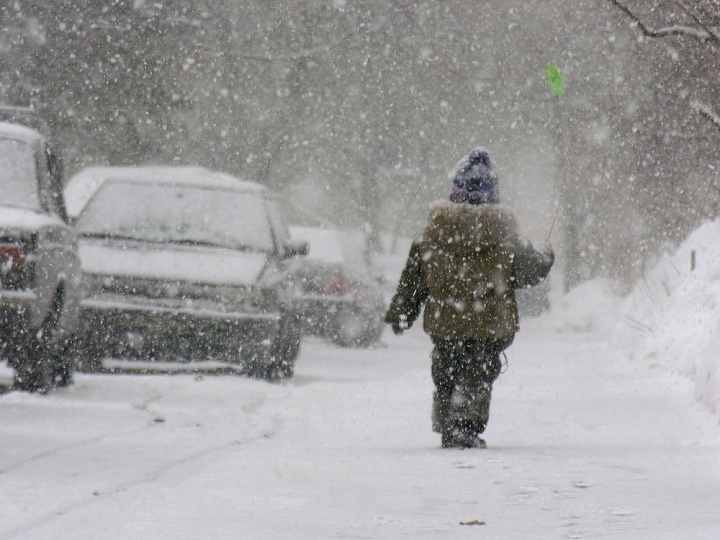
(280,228)
(167,213)
(18,183)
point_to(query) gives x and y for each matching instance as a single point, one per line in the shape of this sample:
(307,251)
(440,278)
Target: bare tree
(360,108)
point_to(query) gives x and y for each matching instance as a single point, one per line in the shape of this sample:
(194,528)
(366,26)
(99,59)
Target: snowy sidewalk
(589,445)
(582,444)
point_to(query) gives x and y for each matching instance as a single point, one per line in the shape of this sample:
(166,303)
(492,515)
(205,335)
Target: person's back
(467,262)
(465,268)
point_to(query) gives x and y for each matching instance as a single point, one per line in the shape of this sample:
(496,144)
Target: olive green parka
(465,268)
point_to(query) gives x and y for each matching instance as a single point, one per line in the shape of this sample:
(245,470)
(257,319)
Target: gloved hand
(400,326)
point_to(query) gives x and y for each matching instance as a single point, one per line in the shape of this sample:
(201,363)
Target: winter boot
(466,418)
(460,438)
(440,410)
(473,407)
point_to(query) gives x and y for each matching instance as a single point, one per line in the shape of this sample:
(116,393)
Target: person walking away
(464,269)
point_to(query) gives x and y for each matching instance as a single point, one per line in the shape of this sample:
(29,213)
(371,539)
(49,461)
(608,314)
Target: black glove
(397,329)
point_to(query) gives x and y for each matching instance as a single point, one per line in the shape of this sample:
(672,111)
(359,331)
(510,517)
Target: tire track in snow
(149,477)
(157,412)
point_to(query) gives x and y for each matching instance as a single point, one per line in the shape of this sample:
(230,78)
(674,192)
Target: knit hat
(474,179)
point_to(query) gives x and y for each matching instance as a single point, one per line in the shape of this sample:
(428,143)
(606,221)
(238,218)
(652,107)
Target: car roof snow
(85,183)
(9,130)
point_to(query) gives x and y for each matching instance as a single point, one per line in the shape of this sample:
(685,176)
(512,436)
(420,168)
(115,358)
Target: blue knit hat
(474,179)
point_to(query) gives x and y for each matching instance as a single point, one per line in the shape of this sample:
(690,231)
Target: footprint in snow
(583,484)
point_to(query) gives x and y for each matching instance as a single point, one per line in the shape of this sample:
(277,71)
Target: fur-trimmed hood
(464,229)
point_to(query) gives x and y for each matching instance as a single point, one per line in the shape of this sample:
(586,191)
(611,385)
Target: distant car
(183,263)
(339,297)
(39,263)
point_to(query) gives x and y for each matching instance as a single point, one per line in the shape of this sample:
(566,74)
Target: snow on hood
(199,265)
(25,219)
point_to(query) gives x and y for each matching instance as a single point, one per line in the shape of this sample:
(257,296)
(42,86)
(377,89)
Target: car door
(57,262)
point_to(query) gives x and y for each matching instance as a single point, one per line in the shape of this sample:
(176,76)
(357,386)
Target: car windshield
(178,214)
(18,186)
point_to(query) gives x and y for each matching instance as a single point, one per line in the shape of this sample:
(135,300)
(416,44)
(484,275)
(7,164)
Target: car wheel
(355,329)
(287,347)
(64,366)
(44,357)
(34,372)
(86,356)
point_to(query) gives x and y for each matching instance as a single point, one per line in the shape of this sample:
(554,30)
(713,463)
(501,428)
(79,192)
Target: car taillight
(332,284)
(11,257)
(17,269)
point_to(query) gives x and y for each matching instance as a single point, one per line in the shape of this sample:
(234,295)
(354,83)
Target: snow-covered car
(340,298)
(183,263)
(39,264)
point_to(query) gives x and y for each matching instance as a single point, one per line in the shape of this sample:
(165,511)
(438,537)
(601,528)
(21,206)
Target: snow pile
(672,316)
(592,306)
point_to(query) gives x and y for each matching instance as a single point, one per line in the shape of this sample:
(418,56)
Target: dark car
(39,264)
(183,263)
(340,299)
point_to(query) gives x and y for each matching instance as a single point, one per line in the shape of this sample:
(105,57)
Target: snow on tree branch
(700,32)
(706,111)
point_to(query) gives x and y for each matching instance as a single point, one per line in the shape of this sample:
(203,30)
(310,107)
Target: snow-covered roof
(84,184)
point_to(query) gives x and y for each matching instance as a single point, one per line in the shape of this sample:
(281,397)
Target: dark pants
(463,373)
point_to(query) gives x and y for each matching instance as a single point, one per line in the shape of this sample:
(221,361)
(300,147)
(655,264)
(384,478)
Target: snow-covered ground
(672,317)
(587,439)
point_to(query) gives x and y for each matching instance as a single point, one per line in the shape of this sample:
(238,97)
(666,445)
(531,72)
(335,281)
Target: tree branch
(699,33)
(706,111)
(711,30)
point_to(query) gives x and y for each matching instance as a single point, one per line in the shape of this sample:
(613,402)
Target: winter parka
(465,268)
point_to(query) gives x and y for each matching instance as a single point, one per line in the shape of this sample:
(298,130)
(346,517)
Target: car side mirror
(296,248)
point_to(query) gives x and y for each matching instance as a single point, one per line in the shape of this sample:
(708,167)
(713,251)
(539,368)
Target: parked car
(340,299)
(39,263)
(183,262)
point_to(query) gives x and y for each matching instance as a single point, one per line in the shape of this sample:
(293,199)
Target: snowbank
(592,306)
(672,316)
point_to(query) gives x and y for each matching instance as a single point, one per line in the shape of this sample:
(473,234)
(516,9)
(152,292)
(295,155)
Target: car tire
(273,362)
(64,366)
(287,348)
(35,371)
(44,363)
(355,329)
(87,357)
